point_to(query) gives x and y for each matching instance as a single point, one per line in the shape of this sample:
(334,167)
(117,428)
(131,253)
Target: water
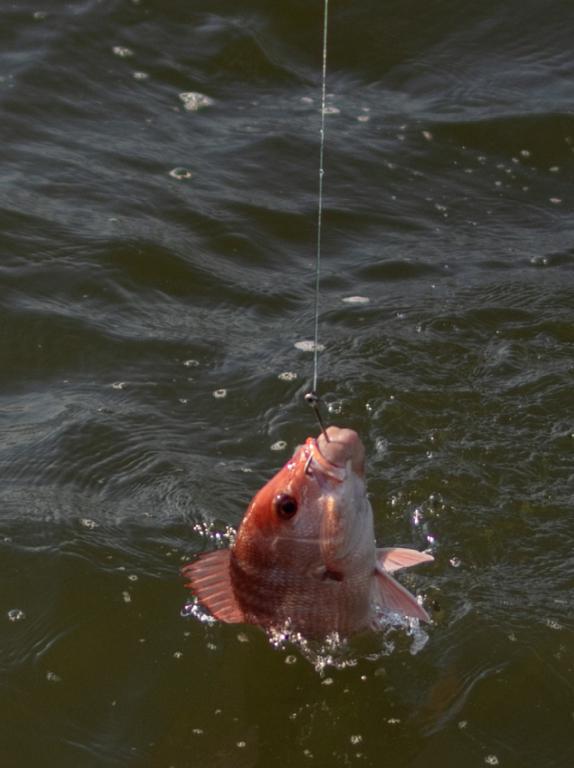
(156,276)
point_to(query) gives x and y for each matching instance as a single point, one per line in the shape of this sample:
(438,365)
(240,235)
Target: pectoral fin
(209,579)
(394,558)
(392,596)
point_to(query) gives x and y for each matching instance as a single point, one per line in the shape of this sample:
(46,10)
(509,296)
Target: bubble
(180,173)
(356,300)
(52,677)
(427,135)
(291,659)
(177,655)
(551,624)
(197,731)
(491,760)
(555,200)
(328,681)
(455,562)
(381,445)
(133,577)
(363,118)
(219,394)
(193,101)
(308,346)
(39,15)
(241,744)
(331,111)
(119,385)
(356,738)
(335,408)
(16,614)
(288,376)
(393,720)
(86,522)
(242,637)
(126,597)
(280,445)
(306,99)
(462,724)
(525,152)
(122,51)
(191,363)
(140,76)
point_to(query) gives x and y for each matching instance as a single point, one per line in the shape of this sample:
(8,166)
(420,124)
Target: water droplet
(193,101)
(356,300)
(288,376)
(180,173)
(140,76)
(197,731)
(363,118)
(39,15)
(16,614)
(328,681)
(308,346)
(556,200)
(242,637)
(191,363)
(122,51)
(331,111)
(462,724)
(280,445)
(126,597)
(219,394)
(428,135)
(86,522)
(119,385)
(241,744)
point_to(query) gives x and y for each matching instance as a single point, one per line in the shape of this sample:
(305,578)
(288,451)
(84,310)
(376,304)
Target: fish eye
(285,506)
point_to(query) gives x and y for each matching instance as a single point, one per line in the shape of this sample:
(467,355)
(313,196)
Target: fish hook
(312,399)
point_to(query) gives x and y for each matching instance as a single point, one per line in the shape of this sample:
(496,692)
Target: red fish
(305,551)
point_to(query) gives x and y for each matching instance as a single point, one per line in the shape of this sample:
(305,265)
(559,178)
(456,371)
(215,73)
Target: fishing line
(312,397)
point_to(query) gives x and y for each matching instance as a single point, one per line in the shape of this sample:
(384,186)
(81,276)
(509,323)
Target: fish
(304,555)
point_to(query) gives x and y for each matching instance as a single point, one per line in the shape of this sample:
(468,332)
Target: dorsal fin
(209,579)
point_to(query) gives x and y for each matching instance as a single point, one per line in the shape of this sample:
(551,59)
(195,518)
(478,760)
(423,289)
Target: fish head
(313,516)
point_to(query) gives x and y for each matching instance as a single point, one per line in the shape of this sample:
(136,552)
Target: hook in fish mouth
(324,466)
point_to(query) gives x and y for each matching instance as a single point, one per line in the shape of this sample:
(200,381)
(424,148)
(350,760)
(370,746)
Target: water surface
(152,254)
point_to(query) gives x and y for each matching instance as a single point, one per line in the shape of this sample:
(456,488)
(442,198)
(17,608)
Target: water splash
(337,652)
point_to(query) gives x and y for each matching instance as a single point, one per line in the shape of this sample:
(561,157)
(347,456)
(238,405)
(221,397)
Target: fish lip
(315,458)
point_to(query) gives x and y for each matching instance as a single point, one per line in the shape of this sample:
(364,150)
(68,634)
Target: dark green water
(129,295)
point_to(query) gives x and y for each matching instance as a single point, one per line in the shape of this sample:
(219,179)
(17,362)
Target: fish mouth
(333,451)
